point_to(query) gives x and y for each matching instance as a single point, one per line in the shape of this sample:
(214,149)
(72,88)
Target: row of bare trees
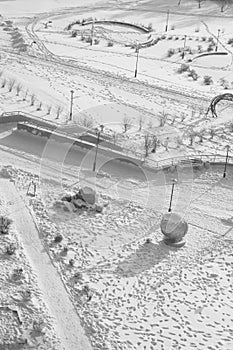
(12,84)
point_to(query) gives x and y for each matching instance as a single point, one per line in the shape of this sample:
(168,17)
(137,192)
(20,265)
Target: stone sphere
(174,228)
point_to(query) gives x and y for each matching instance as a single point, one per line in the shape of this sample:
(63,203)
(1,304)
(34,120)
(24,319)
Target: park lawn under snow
(144,294)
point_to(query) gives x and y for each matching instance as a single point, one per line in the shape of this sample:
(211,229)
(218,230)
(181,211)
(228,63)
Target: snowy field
(75,279)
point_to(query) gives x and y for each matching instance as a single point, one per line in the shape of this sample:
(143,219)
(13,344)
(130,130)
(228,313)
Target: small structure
(174,228)
(216,100)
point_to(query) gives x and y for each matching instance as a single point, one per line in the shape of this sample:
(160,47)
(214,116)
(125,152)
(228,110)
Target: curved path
(66,321)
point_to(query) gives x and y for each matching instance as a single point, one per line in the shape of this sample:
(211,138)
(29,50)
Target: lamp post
(92,31)
(216,48)
(71,103)
(174,181)
(183,53)
(166,27)
(136,67)
(225,166)
(98,132)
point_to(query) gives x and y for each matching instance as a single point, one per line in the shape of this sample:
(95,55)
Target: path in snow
(66,320)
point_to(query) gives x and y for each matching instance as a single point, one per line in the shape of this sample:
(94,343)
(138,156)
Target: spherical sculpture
(174,229)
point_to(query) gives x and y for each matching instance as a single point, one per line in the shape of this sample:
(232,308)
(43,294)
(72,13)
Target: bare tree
(3,82)
(223,2)
(86,121)
(11,83)
(59,111)
(25,95)
(33,99)
(126,123)
(166,144)
(141,120)
(201,135)
(173,119)
(147,143)
(163,117)
(212,133)
(49,108)
(150,124)
(182,117)
(18,89)
(114,136)
(155,143)
(39,107)
(192,135)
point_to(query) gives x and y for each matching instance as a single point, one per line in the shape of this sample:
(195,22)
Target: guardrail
(130,155)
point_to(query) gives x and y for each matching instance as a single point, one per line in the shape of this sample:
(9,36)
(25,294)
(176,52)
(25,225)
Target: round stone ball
(174,227)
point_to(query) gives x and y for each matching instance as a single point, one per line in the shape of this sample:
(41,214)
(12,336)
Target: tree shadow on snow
(143,259)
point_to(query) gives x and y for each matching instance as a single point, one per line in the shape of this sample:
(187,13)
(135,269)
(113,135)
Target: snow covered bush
(170,52)
(183,68)
(207,80)
(224,83)
(5,225)
(193,74)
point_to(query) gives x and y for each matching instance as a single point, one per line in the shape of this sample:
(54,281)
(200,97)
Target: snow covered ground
(129,293)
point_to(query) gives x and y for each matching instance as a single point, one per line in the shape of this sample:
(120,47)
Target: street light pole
(92,31)
(183,53)
(96,149)
(71,103)
(136,68)
(174,181)
(168,13)
(225,166)
(216,48)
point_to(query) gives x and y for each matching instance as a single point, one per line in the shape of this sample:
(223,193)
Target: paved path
(66,320)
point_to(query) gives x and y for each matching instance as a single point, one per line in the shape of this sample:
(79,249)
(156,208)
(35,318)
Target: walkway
(66,321)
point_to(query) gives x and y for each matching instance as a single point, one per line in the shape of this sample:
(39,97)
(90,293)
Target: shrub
(156,41)
(224,83)
(169,37)
(74,33)
(89,39)
(230,41)
(110,44)
(212,133)
(203,38)
(210,48)
(149,27)
(58,239)
(176,38)
(173,27)
(199,48)
(193,74)
(207,80)
(211,39)
(96,41)
(11,249)
(5,225)
(170,52)
(183,68)
(163,37)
